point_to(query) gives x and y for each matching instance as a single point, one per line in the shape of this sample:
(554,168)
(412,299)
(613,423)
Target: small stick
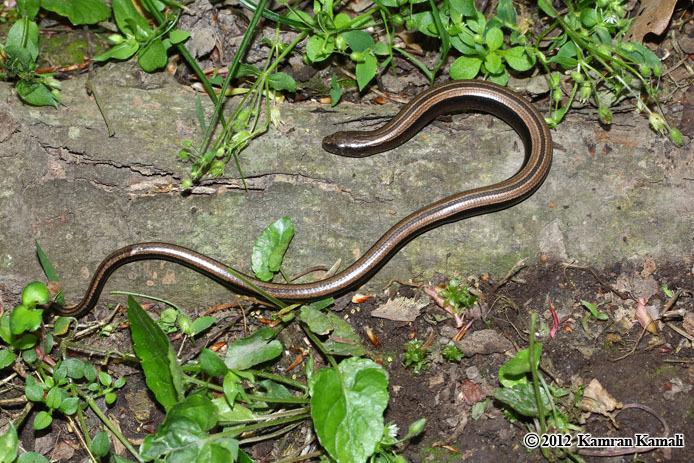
(622,295)
(517,267)
(90,86)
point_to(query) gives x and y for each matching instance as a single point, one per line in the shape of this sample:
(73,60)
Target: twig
(517,267)
(90,86)
(621,294)
(633,349)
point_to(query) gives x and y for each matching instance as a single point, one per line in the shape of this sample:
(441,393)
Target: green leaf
(178,36)
(50,272)
(71,368)
(282,82)
(70,405)
(211,364)
(464,7)
(183,434)
(349,420)
(513,372)
(36,93)
(8,445)
(24,34)
(342,21)
(318,48)
(24,319)
(7,358)
(42,420)
(506,12)
(492,63)
(257,348)
(521,398)
(163,374)
(366,70)
(269,248)
(594,311)
(230,415)
(101,444)
(28,8)
(32,457)
(342,341)
(129,20)
(33,390)
(547,8)
(589,17)
(152,56)
(201,324)
(79,11)
(335,91)
(518,58)
(123,50)
(358,40)
(494,38)
(424,22)
(465,68)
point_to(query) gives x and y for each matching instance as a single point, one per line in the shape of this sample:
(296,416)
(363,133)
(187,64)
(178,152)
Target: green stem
(111,427)
(536,383)
(188,57)
(234,431)
(278,378)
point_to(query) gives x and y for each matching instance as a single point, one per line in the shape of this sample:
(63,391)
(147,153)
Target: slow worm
(448,97)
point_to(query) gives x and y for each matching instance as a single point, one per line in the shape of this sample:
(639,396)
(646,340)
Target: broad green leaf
(282,82)
(70,405)
(494,38)
(358,40)
(28,8)
(24,319)
(424,22)
(521,398)
(465,68)
(514,371)
(518,58)
(230,415)
(36,93)
(342,341)
(342,21)
(211,364)
(269,248)
(492,63)
(506,12)
(33,390)
(366,70)
(152,56)
(32,457)
(275,390)
(257,348)
(7,358)
(24,34)
(100,444)
(178,36)
(589,17)
(123,50)
(201,324)
(464,7)
(163,374)
(42,420)
(70,368)
(183,434)
(318,48)
(8,445)
(349,420)
(129,20)
(79,11)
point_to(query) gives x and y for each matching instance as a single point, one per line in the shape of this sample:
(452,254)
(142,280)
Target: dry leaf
(597,400)
(653,16)
(644,317)
(400,309)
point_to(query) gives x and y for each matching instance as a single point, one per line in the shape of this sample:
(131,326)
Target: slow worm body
(445,98)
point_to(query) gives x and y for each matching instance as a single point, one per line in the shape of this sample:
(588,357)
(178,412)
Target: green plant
(452,353)
(527,396)
(137,37)
(415,356)
(457,300)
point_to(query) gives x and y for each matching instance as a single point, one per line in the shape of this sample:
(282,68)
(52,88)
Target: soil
(658,374)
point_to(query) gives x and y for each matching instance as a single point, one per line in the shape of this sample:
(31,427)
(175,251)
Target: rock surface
(612,195)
